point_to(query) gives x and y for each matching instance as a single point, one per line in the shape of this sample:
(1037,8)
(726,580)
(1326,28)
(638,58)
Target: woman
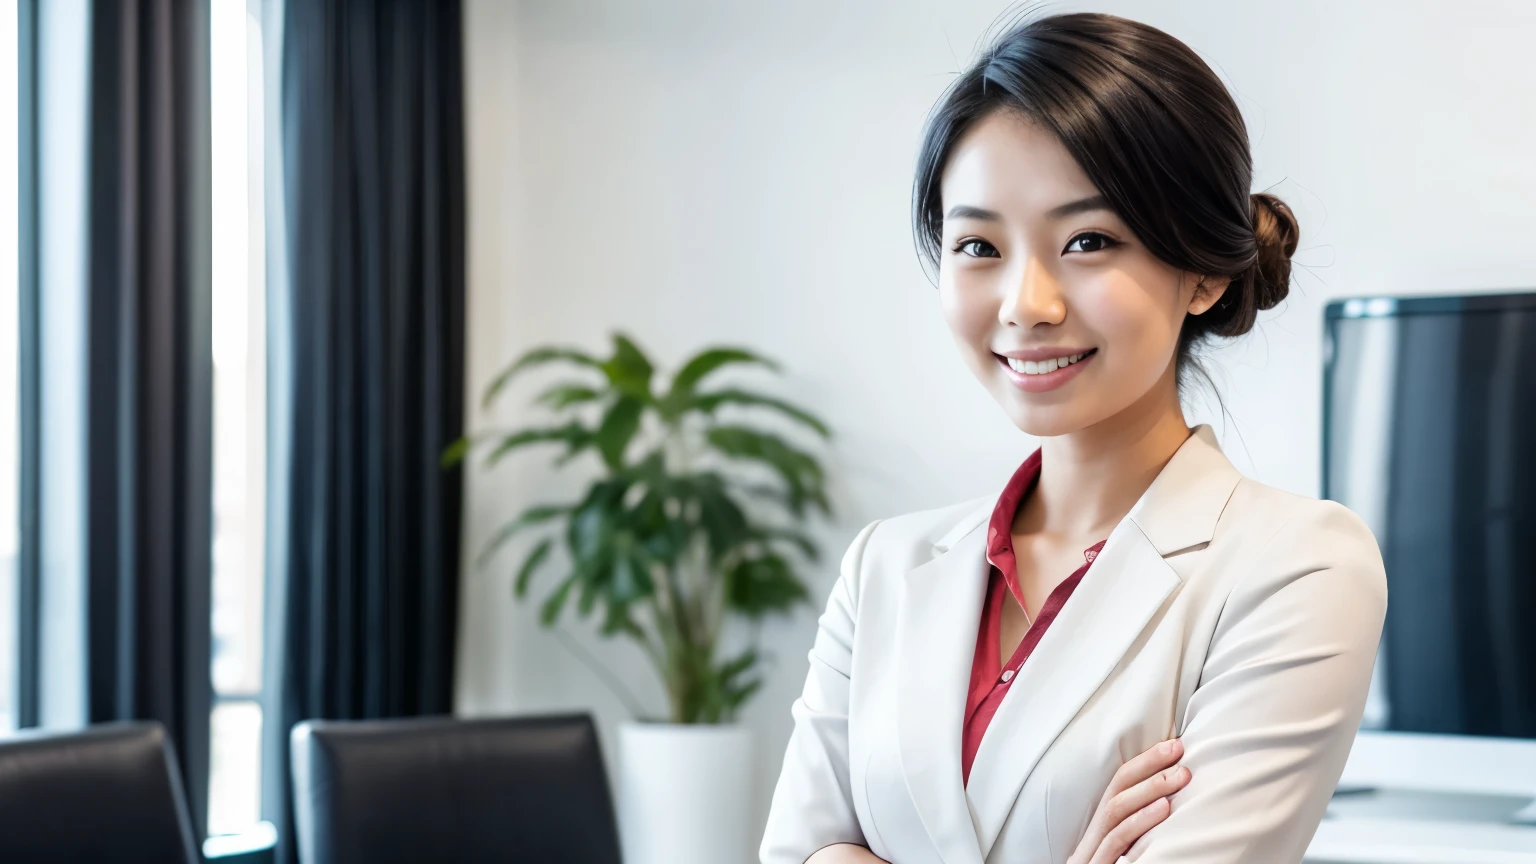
(982,670)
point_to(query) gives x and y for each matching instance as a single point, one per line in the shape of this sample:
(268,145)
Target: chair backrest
(452,791)
(107,793)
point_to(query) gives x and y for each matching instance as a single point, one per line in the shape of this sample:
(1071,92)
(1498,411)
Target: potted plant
(690,520)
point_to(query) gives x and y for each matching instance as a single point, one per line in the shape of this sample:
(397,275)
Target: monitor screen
(1429,434)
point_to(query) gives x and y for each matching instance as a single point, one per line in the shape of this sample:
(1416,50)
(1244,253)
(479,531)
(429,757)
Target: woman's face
(1056,306)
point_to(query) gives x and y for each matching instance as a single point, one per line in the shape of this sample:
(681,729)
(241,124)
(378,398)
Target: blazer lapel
(936,624)
(1122,592)
(1124,588)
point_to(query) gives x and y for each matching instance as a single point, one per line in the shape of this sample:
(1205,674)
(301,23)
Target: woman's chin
(1045,421)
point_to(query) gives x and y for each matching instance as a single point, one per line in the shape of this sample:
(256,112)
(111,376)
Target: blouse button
(1007,675)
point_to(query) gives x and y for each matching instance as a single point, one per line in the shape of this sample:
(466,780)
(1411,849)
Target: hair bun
(1276,232)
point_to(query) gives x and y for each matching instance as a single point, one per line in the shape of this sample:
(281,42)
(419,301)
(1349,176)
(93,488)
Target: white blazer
(1241,617)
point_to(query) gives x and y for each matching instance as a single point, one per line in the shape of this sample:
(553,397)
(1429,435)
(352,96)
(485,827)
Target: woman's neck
(1091,478)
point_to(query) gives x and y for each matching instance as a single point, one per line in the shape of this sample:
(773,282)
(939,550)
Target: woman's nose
(1034,297)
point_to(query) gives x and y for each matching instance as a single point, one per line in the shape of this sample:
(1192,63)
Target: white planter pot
(685,794)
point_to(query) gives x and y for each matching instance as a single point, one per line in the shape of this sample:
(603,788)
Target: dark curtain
(370,320)
(149,372)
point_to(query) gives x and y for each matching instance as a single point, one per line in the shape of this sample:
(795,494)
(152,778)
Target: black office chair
(110,793)
(448,791)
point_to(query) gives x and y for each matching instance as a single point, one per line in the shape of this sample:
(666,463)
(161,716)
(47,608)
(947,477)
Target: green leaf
(587,600)
(594,575)
(631,572)
(701,365)
(537,357)
(454,453)
(736,696)
(724,522)
(616,620)
(708,402)
(618,428)
(573,434)
(565,395)
(571,452)
(596,518)
(737,665)
(550,610)
(628,369)
(758,586)
(531,516)
(665,541)
(795,538)
(659,534)
(591,528)
(651,469)
(721,690)
(530,564)
(710,359)
(801,473)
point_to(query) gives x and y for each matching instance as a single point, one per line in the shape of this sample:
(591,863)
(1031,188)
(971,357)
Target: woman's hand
(1137,799)
(844,853)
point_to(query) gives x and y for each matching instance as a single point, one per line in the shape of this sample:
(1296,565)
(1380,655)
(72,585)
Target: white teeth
(1041,367)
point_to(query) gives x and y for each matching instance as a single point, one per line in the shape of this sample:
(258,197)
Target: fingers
(1159,785)
(1145,765)
(1137,784)
(1130,830)
(1129,814)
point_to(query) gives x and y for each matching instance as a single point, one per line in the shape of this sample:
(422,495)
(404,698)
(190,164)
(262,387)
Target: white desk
(1401,827)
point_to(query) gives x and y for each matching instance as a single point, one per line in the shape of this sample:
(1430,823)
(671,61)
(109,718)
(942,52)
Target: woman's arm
(813,804)
(1280,697)
(1136,800)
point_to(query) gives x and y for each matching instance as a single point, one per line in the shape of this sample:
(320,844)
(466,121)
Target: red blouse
(989,680)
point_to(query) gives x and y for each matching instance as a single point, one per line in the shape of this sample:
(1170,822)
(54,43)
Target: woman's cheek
(1114,307)
(1131,332)
(970,320)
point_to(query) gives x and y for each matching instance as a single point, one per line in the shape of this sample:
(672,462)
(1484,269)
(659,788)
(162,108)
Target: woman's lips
(1042,382)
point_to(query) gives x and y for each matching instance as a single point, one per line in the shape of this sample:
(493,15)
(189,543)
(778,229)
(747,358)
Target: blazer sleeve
(813,803)
(1281,694)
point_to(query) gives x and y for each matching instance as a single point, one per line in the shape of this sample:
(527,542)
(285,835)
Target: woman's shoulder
(1258,508)
(1286,534)
(939,526)
(905,540)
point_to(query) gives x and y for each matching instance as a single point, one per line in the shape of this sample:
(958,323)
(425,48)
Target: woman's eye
(1089,241)
(977,249)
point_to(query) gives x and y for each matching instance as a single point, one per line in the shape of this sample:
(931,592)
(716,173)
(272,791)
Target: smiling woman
(1050,236)
(1116,196)
(981,695)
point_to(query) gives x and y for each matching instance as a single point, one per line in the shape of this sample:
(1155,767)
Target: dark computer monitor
(1429,433)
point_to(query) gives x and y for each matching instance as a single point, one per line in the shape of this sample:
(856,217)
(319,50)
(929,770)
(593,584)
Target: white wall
(698,171)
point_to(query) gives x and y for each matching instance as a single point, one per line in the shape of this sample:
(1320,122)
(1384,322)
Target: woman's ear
(1207,291)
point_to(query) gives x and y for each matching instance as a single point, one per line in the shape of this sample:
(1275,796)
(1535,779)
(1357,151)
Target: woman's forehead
(1011,165)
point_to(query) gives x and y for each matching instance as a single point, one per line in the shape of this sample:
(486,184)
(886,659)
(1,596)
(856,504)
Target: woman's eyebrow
(1061,211)
(966,211)
(1081,205)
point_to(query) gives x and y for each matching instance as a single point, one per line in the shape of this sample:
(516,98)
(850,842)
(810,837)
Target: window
(239,415)
(10,523)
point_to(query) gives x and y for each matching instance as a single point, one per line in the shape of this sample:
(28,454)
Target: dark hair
(1157,133)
